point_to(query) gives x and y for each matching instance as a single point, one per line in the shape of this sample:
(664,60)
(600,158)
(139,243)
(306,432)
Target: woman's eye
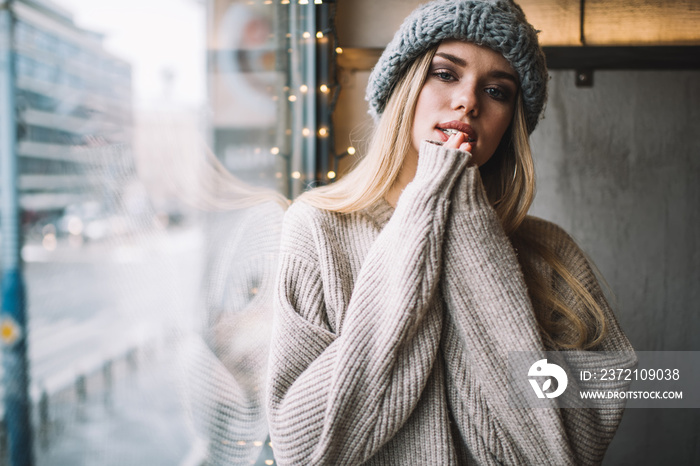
(496,93)
(443,75)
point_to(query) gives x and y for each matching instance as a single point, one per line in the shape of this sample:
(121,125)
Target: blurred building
(74,112)
(248,89)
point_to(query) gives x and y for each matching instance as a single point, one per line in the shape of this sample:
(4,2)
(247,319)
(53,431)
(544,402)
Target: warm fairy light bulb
(319,35)
(292,98)
(303,2)
(324,89)
(275,150)
(296,175)
(305,132)
(303,88)
(331,174)
(49,242)
(285,2)
(323,132)
(306,35)
(351,150)
(339,50)
(318,2)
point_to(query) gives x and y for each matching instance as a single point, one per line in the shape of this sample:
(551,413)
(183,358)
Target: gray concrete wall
(618,166)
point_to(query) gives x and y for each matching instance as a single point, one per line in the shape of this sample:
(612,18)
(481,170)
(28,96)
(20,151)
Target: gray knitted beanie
(497,24)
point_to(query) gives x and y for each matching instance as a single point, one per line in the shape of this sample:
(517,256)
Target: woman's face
(470,92)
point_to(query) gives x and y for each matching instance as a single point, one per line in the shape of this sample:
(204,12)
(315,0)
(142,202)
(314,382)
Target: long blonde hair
(509,180)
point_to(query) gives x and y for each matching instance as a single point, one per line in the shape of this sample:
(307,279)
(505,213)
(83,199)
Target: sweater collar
(380,212)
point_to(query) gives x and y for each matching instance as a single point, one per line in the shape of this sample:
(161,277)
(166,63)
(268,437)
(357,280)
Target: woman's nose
(466,100)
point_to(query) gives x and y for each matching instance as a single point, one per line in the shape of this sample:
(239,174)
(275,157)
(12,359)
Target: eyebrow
(460,62)
(452,58)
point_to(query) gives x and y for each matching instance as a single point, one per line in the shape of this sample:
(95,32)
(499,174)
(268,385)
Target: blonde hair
(375,174)
(509,180)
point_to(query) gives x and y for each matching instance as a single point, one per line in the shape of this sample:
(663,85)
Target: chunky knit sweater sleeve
(490,319)
(336,398)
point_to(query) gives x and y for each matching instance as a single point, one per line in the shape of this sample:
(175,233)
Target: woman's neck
(406,174)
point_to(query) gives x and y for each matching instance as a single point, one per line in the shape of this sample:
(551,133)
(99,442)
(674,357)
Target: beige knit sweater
(392,331)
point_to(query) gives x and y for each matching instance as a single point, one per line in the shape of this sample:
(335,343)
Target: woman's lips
(451,127)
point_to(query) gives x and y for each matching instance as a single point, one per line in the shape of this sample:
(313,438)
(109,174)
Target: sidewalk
(136,418)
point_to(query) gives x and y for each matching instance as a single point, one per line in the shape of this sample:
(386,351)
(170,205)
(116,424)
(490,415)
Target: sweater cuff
(439,167)
(469,193)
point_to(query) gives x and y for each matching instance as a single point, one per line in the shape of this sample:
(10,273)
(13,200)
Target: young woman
(403,287)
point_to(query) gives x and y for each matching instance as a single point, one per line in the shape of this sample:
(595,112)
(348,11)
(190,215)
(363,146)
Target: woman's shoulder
(554,239)
(304,217)
(299,228)
(308,228)
(547,232)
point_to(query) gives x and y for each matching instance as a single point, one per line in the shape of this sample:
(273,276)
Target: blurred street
(102,321)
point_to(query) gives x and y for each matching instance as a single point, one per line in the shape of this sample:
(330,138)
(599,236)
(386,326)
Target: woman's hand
(458,141)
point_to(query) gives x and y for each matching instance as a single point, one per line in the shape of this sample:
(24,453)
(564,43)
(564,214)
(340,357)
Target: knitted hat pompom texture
(499,25)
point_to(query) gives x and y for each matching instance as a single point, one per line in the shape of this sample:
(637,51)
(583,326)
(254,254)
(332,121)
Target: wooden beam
(570,58)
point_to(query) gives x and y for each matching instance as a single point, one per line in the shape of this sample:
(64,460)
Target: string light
(323,132)
(306,35)
(49,242)
(351,150)
(303,88)
(269,462)
(305,132)
(303,2)
(319,35)
(285,2)
(318,2)
(339,50)
(324,89)
(292,98)
(296,175)
(275,150)
(331,174)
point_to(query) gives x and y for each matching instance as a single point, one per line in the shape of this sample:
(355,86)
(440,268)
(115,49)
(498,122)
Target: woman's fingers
(458,141)
(466,146)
